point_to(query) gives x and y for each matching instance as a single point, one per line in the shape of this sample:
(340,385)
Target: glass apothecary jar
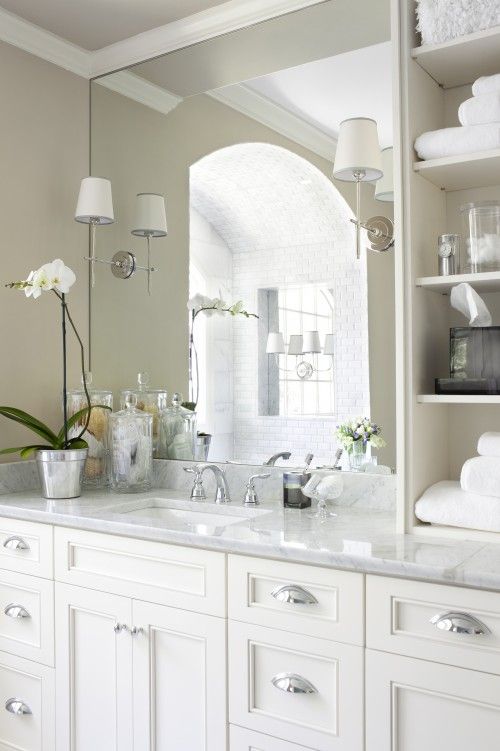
(96,467)
(131,448)
(149,400)
(177,431)
(481,223)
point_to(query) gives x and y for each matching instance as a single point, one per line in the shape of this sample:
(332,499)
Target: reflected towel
(480,110)
(455,141)
(486,84)
(481,475)
(447,504)
(489,444)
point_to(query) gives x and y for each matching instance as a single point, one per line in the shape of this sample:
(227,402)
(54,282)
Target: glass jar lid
(130,411)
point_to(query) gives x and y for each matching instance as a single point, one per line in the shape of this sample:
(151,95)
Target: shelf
(461,61)
(489,281)
(477,170)
(458,399)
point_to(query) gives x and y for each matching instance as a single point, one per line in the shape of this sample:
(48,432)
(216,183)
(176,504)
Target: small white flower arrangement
(360,431)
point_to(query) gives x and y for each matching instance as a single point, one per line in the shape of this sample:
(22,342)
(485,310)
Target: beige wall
(142,150)
(44,129)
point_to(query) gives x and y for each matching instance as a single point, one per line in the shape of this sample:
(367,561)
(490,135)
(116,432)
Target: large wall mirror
(239,135)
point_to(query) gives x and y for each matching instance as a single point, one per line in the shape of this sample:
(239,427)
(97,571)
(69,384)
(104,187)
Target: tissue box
(475,352)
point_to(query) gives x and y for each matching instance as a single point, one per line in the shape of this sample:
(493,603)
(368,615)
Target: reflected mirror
(254,306)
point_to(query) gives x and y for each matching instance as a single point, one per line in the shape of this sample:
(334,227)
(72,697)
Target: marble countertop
(356,539)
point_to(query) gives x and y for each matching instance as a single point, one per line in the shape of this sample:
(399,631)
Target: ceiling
(357,83)
(93,24)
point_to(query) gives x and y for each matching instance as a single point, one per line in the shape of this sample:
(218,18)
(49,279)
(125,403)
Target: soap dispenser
(177,431)
(149,400)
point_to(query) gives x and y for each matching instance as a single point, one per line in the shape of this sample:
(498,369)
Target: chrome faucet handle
(197,491)
(251,498)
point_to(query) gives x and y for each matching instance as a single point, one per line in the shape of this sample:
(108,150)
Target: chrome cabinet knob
(460,623)
(294,594)
(16,543)
(17,706)
(16,611)
(119,627)
(291,683)
(136,630)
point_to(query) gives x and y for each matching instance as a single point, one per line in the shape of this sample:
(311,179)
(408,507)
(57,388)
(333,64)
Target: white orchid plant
(208,306)
(57,278)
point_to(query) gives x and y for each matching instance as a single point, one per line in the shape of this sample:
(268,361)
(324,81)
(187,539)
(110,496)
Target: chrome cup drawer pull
(16,611)
(460,623)
(16,543)
(291,683)
(17,706)
(294,594)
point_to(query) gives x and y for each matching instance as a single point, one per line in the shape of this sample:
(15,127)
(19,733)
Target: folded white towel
(486,84)
(489,444)
(454,141)
(481,475)
(447,504)
(480,110)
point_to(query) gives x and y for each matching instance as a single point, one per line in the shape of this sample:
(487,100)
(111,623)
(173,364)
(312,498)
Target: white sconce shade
(95,202)
(311,342)
(384,189)
(275,344)
(295,345)
(329,344)
(150,215)
(358,151)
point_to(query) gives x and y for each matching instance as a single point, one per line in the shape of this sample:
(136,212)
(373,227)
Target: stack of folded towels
(473,503)
(480,125)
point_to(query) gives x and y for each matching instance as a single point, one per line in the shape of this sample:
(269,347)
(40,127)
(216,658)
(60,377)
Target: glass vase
(359,455)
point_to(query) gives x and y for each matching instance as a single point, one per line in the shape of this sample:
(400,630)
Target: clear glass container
(149,400)
(482,236)
(96,435)
(177,431)
(131,448)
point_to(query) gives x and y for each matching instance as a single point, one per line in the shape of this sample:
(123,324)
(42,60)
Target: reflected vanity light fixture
(384,188)
(307,343)
(150,221)
(358,159)
(94,207)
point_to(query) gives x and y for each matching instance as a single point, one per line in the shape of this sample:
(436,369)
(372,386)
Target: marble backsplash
(360,490)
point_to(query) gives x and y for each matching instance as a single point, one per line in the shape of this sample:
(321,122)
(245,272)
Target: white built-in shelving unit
(438,431)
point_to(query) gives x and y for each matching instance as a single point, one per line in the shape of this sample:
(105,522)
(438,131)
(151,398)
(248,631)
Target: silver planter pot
(61,472)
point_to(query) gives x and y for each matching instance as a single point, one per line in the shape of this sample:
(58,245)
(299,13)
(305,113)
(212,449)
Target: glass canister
(177,431)
(131,448)
(482,236)
(149,400)
(96,435)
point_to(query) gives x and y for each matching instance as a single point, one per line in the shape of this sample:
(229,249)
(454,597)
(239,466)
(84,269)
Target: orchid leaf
(28,450)
(74,419)
(30,422)
(77,443)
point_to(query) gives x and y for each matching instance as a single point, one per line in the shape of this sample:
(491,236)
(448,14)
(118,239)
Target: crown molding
(260,108)
(142,91)
(43,44)
(222,19)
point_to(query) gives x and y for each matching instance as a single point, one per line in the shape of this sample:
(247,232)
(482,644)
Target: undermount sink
(175,515)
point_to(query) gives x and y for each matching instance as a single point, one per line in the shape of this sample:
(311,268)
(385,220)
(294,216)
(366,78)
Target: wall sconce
(301,344)
(358,159)
(94,207)
(150,221)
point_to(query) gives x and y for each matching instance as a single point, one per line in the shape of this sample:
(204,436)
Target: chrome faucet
(272,461)
(198,492)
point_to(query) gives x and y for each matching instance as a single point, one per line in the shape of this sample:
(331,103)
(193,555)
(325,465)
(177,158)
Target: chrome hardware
(251,494)
(17,706)
(197,491)
(460,623)
(119,627)
(16,543)
(291,683)
(294,594)
(272,461)
(222,490)
(136,630)
(16,611)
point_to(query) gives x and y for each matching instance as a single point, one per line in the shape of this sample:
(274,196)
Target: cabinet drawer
(32,686)
(27,617)
(153,571)
(241,739)
(400,614)
(26,547)
(297,688)
(315,601)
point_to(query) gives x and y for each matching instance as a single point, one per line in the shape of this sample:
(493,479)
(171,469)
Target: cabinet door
(179,680)
(93,671)
(413,705)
